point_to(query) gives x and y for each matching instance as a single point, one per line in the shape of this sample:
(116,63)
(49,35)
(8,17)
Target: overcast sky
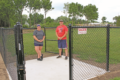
(107,8)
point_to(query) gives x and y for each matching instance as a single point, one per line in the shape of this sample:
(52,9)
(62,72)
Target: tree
(64,18)
(39,18)
(75,11)
(90,12)
(24,18)
(19,5)
(47,6)
(49,20)
(30,4)
(103,19)
(7,9)
(36,6)
(66,8)
(117,18)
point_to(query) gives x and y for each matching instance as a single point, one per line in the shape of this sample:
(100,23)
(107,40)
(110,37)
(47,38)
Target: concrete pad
(52,68)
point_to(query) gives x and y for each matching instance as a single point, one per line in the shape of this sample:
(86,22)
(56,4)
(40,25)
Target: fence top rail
(51,40)
(7,28)
(114,27)
(29,28)
(88,26)
(50,27)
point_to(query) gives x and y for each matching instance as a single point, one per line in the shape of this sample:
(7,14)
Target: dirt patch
(3,72)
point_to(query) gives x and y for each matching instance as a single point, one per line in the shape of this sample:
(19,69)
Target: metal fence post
(107,47)
(70,54)
(19,52)
(45,37)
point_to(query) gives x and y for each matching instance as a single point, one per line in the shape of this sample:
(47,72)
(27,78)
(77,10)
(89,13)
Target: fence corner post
(70,54)
(107,47)
(20,51)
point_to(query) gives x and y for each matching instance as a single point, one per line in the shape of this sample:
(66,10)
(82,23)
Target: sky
(107,8)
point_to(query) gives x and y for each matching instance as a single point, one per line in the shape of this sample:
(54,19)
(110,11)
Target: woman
(39,37)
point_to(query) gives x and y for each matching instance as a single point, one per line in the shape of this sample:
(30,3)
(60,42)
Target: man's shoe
(66,58)
(59,56)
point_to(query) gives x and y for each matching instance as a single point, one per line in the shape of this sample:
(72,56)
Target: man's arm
(64,34)
(57,36)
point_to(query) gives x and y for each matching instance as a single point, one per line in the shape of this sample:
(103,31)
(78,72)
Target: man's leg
(66,52)
(37,51)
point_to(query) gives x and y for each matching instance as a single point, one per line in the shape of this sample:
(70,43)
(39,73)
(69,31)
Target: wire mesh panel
(1,43)
(51,40)
(28,41)
(89,52)
(9,52)
(114,49)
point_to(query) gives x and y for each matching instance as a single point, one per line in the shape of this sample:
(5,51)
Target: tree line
(11,12)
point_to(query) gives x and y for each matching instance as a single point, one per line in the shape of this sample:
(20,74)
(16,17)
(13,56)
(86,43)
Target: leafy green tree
(90,12)
(115,18)
(19,6)
(24,19)
(47,6)
(75,11)
(49,20)
(30,4)
(118,21)
(66,8)
(36,6)
(103,19)
(80,10)
(64,18)
(7,9)
(39,18)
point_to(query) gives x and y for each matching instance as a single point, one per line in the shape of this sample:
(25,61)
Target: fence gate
(89,51)
(20,52)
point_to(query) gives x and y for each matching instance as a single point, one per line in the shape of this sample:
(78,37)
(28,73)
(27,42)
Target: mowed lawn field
(86,46)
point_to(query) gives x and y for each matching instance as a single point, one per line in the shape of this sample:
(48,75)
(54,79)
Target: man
(61,32)
(39,37)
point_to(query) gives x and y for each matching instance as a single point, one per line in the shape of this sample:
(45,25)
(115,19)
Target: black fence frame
(20,52)
(20,48)
(50,40)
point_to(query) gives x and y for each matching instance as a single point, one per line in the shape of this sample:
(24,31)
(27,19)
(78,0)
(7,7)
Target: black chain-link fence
(51,40)
(114,56)
(89,52)
(7,49)
(94,50)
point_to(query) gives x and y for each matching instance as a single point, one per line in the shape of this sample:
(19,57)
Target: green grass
(90,46)
(117,78)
